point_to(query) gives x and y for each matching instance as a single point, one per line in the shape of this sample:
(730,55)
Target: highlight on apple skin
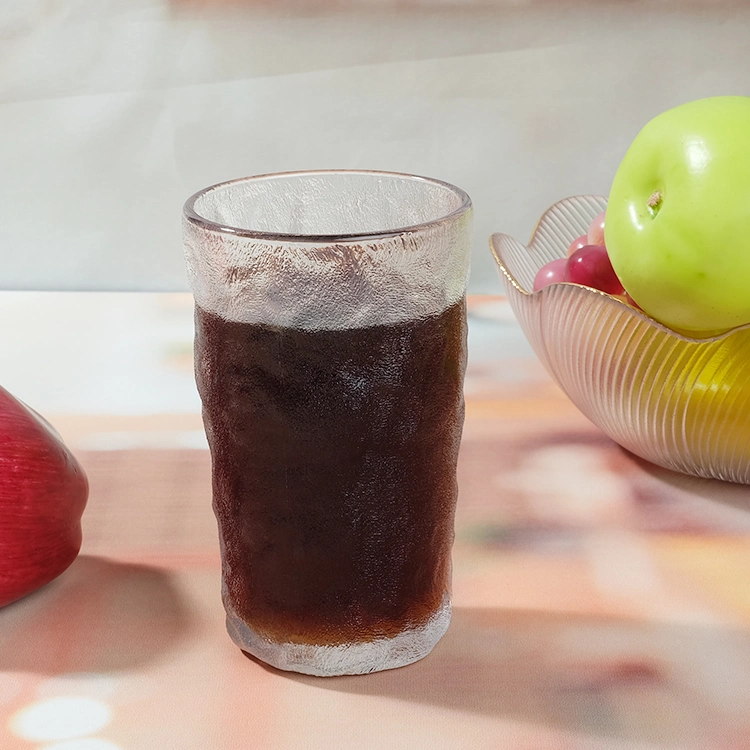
(43,493)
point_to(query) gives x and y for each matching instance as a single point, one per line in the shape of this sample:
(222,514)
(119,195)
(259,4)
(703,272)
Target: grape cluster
(587,263)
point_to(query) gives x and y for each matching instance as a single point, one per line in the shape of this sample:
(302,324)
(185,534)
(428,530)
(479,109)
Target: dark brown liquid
(334,464)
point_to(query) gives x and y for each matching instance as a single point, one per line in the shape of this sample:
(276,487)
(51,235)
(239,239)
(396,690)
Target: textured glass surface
(330,353)
(327,250)
(678,402)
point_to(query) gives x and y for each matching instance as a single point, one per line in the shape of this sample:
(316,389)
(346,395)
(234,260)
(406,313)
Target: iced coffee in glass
(330,349)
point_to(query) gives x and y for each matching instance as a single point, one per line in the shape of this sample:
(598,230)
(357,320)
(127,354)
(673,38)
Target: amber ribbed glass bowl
(678,402)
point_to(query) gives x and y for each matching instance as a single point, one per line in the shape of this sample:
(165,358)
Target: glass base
(347,658)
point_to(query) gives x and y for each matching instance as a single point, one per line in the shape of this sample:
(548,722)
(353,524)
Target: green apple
(678,217)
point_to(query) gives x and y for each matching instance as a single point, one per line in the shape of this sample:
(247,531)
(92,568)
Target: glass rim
(195,218)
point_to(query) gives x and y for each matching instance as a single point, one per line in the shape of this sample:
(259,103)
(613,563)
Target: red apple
(43,491)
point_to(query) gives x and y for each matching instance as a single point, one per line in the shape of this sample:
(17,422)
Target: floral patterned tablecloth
(600,602)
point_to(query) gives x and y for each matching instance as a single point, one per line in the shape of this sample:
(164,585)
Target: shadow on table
(714,494)
(615,678)
(99,615)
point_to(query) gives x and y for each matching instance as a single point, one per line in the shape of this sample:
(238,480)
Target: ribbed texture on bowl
(678,402)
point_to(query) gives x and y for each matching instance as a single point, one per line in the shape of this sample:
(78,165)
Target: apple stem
(654,202)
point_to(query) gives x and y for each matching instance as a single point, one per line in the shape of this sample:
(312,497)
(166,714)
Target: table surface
(599,602)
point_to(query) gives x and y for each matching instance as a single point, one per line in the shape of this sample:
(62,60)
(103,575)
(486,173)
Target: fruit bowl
(679,402)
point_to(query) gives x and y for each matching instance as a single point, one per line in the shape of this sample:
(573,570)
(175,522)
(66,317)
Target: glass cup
(330,349)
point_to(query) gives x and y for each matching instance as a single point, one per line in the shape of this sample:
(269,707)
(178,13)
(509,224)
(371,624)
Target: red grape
(550,273)
(577,244)
(590,266)
(596,231)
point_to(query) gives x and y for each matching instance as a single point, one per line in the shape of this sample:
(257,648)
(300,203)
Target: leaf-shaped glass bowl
(678,402)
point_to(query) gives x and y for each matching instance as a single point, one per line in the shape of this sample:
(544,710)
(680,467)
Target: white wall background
(113,111)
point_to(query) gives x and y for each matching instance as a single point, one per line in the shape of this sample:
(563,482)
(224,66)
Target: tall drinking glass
(330,349)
